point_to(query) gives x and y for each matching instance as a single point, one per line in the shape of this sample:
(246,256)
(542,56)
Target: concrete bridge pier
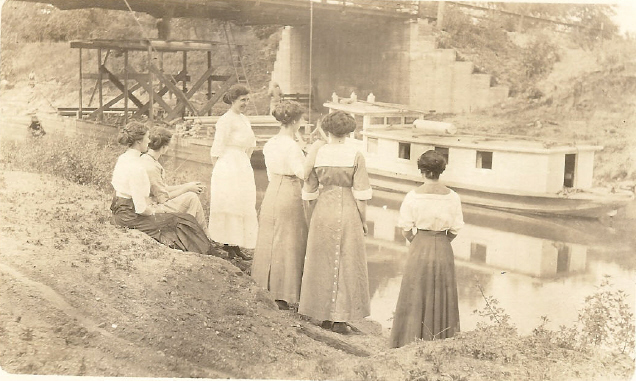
(398,61)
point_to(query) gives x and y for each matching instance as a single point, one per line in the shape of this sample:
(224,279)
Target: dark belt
(433,232)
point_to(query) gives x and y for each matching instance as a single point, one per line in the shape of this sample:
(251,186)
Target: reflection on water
(533,266)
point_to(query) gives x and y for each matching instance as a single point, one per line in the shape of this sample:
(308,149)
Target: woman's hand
(365,228)
(196,187)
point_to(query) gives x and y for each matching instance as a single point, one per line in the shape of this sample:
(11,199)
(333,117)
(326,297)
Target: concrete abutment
(399,62)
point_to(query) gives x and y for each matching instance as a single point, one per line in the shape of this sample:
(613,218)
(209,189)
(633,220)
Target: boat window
(443,151)
(563,257)
(372,145)
(393,120)
(371,227)
(484,159)
(377,120)
(409,119)
(568,172)
(404,151)
(478,252)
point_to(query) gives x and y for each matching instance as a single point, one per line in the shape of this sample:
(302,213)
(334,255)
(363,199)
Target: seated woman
(174,198)
(131,204)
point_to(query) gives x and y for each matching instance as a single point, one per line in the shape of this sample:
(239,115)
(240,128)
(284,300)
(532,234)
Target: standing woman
(430,216)
(132,207)
(181,198)
(233,220)
(282,237)
(335,285)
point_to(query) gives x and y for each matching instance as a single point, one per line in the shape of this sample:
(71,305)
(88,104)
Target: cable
(311,48)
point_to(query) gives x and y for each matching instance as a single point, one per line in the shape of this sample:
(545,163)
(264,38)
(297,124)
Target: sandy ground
(80,296)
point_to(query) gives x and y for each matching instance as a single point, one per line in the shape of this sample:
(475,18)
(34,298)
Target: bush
(75,158)
(539,57)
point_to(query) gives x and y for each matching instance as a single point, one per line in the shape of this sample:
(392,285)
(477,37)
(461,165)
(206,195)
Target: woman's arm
(408,234)
(310,159)
(178,190)
(220,137)
(362,211)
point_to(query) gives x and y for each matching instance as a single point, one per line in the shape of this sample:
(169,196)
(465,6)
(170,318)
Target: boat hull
(580,204)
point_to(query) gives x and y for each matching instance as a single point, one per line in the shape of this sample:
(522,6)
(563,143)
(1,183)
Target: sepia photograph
(368,190)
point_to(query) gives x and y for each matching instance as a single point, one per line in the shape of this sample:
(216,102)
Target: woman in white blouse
(132,207)
(282,237)
(232,219)
(430,216)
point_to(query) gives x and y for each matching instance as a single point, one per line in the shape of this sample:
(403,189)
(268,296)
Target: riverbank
(83,297)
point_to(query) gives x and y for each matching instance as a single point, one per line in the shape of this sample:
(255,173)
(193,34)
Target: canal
(533,266)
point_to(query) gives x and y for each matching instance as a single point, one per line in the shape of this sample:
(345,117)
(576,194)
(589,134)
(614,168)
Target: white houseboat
(517,174)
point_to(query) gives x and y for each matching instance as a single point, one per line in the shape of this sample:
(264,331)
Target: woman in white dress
(233,220)
(133,208)
(182,198)
(282,237)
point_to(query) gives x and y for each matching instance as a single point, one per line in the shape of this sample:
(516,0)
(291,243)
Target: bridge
(387,48)
(257,12)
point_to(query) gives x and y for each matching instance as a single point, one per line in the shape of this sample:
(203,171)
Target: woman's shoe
(340,327)
(240,254)
(282,305)
(326,324)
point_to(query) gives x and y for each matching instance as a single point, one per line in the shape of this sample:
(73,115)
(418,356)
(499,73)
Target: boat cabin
(392,141)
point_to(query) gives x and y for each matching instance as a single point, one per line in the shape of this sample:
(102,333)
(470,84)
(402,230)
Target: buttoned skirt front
(335,283)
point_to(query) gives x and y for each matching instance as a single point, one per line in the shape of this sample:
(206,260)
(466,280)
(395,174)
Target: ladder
(236,60)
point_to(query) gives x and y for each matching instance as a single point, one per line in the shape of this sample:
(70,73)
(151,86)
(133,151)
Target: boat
(518,174)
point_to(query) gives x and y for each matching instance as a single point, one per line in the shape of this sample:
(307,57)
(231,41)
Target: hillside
(93,299)
(587,94)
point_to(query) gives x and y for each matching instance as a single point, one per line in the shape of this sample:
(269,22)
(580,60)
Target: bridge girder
(252,12)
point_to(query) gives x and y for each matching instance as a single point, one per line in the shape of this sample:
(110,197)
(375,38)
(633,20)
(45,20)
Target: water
(533,266)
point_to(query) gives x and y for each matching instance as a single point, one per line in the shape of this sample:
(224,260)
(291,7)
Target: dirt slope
(80,296)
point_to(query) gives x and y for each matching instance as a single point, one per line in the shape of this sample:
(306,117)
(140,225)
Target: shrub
(539,57)
(74,158)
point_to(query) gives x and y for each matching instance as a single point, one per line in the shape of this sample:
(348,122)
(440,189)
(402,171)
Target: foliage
(539,57)
(73,158)
(484,38)
(606,319)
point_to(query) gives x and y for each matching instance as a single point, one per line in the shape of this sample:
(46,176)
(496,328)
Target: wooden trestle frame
(146,80)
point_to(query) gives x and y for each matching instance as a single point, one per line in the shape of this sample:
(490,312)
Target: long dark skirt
(176,230)
(282,239)
(427,306)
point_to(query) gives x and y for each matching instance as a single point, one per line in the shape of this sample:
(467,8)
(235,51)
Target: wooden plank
(106,106)
(195,87)
(177,92)
(160,93)
(148,87)
(208,105)
(115,81)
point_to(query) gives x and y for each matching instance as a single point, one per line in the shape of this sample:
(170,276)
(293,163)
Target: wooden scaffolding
(131,81)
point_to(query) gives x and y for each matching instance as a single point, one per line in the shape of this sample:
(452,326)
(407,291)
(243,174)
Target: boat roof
(510,143)
(374,108)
